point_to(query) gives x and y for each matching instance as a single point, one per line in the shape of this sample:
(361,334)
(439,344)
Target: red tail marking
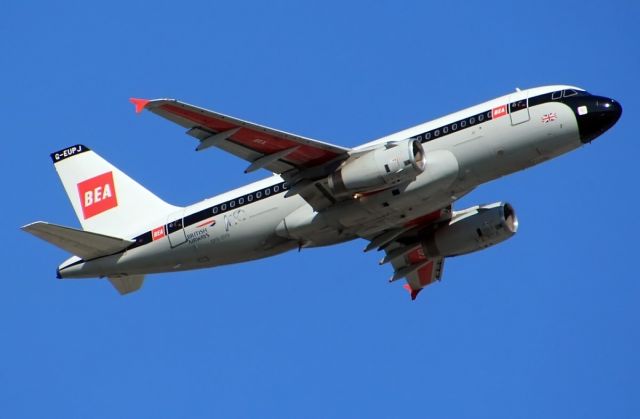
(97,195)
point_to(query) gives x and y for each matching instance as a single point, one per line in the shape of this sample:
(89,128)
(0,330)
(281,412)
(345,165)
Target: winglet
(139,103)
(414,293)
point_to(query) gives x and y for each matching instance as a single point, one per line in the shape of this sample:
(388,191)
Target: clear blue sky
(544,325)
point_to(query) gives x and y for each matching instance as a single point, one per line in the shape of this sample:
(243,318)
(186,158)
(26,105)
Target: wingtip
(414,293)
(30,226)
(140,104)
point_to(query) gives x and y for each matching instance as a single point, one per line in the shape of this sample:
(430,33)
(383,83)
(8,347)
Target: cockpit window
(556,95)
(569,92)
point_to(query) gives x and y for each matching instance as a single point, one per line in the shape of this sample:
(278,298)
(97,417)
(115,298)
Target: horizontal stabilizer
(81,243)
(126,284)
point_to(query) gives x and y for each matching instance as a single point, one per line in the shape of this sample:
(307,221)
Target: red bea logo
(157,233)
(97,195)
(498,112)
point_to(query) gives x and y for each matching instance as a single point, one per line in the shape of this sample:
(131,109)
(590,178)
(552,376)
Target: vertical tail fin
(105,199)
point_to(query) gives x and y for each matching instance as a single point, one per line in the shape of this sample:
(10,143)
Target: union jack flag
(549,117)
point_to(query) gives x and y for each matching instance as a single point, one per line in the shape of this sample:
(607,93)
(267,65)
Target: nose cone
(596,116)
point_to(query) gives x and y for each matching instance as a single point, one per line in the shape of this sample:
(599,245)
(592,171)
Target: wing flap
(429,272)
(403,249)
(82,243)
(418,270)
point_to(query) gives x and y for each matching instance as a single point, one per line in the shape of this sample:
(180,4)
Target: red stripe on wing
(262,142)
(425,274)
(425,219)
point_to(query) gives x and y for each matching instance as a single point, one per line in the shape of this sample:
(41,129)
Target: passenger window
(258,195)
(436,133)
(481,117)
(240,201)
(427,136)
(463,124)
(267,192)
(276,188)
(445,130)
(454,127)
(215,210)
(249,198)
(223,207)
(232,204)
(472,120)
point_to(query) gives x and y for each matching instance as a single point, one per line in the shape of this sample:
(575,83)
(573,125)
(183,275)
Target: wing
(304,163)
(403,250)
(263,147)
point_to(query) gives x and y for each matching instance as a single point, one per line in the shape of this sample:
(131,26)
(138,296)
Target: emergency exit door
(175,229)
(519,108)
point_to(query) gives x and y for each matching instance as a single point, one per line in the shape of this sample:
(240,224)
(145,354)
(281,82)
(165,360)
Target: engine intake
(380,168)
(472,229)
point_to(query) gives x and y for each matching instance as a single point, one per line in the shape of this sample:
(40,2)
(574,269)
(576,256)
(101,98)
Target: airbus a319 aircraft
(395,192)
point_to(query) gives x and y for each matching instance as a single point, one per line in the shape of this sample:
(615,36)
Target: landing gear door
(519,108)
(175,229)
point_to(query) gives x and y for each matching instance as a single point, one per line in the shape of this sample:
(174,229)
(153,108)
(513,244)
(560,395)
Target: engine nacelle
(473,229)
(380,168)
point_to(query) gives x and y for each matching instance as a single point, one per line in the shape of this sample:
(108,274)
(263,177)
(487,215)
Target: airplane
(395,192)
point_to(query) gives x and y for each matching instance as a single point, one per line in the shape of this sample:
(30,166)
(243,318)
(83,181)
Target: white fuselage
(464,150)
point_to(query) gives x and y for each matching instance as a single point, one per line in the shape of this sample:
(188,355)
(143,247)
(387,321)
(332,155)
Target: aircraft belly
(379,211)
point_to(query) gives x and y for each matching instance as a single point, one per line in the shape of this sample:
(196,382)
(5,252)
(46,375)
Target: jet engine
(380,168)
(472,229)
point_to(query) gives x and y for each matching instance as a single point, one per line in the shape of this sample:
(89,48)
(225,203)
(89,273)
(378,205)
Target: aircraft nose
(596,116)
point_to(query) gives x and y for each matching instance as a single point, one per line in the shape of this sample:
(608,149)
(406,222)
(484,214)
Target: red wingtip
(139,103)
(414,293)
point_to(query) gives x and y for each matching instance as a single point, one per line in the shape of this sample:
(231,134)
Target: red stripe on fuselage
(207,223)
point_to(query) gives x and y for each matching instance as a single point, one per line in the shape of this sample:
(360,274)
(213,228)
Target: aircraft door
(519,108)
(175,229)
